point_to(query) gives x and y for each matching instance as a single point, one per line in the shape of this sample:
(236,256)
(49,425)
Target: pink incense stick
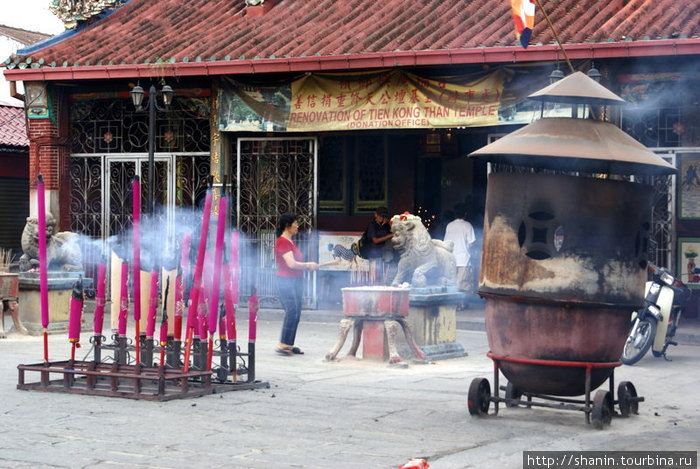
(43,268)
(234,266)
(229,304)
(222,324)
(179,285)
(100,299)
(199,266)
(123,300)
(252,315)
(196,284)
(136,241)
(201,330)
(179,308)
(218,258)
(152,305)
(164,331)
(76,311)
(136,261)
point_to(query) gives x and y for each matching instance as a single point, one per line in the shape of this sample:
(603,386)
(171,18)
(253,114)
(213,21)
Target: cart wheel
(479,397)
(512,393)
(626,398)
(602,411)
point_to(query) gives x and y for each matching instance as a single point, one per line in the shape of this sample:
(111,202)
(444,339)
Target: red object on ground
(416,464)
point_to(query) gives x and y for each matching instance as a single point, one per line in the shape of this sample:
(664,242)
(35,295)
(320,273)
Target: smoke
(162,236)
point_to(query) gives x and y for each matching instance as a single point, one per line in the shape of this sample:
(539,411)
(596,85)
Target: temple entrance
(273,176)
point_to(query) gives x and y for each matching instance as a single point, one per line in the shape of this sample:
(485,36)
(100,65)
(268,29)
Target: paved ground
(317,414)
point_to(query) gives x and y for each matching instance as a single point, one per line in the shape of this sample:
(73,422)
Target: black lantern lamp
(594,73)
(137,95)
(556,75)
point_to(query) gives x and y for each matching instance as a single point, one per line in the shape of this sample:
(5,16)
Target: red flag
(524,19)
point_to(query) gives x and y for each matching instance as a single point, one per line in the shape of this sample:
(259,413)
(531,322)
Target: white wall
(8,46)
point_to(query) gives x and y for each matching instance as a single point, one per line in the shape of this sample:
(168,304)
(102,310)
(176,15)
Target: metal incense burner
(564,253)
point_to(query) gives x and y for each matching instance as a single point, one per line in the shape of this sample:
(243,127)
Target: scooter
(655,324)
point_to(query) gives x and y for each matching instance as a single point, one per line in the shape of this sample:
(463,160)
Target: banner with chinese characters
(362,100)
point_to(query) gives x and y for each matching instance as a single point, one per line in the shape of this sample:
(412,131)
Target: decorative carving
(424,261)
(71,12)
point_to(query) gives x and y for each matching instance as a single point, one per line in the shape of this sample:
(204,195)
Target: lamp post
(137,94)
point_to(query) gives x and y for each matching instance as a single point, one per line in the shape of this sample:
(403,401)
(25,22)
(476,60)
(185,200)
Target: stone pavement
(319,414)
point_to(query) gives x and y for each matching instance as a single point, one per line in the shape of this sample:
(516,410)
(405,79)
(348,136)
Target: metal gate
(273,176)
(101,195)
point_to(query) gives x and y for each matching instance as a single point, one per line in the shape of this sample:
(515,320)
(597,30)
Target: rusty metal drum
(563,266)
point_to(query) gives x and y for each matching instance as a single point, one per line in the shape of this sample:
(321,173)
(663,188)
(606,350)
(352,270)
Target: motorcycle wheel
(638,343)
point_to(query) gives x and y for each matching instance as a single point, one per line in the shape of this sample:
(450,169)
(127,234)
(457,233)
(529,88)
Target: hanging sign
(362,101)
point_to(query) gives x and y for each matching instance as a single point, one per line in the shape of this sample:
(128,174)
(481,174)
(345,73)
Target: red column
(49,153)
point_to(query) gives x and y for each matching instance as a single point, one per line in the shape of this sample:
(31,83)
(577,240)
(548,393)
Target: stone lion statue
(423,261)
(62,249)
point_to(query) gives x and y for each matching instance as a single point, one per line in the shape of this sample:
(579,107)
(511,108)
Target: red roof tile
(147,31)
(13,131)
(22,35)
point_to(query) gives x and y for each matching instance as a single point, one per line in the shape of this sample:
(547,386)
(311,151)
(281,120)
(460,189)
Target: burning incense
(164,324)
(230,312)
(235,268)
(196,284)
(216,280)
(229,304)
(218,258)
(99,302)
(43,268)
(76,313)
(252,315)
(136,261)
(180,285)
(252,330)
(123,300)
(152,305)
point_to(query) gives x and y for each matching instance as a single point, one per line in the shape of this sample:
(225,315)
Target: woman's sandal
(297,351)
(286,351)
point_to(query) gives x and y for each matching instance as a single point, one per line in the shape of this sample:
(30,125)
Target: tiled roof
(176,31)
(12,126)
(22,35)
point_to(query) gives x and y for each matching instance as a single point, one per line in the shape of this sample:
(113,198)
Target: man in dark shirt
(381,251)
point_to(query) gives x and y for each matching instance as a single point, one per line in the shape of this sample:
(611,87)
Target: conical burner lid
(577,88)
(570,144)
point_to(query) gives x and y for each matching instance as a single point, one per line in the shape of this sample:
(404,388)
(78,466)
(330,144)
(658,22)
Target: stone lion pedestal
(377,315)
(60,287)
(432,317)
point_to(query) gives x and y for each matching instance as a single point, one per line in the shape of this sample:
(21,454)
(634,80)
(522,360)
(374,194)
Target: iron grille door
(274,176)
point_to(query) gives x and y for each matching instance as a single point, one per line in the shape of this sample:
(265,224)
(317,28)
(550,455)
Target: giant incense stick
(164,324)
(136,261)
(197,281)
(99,311)
(252,332)
(230,320)
(75,316)
(43,267)
(215,284)
(180,286)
